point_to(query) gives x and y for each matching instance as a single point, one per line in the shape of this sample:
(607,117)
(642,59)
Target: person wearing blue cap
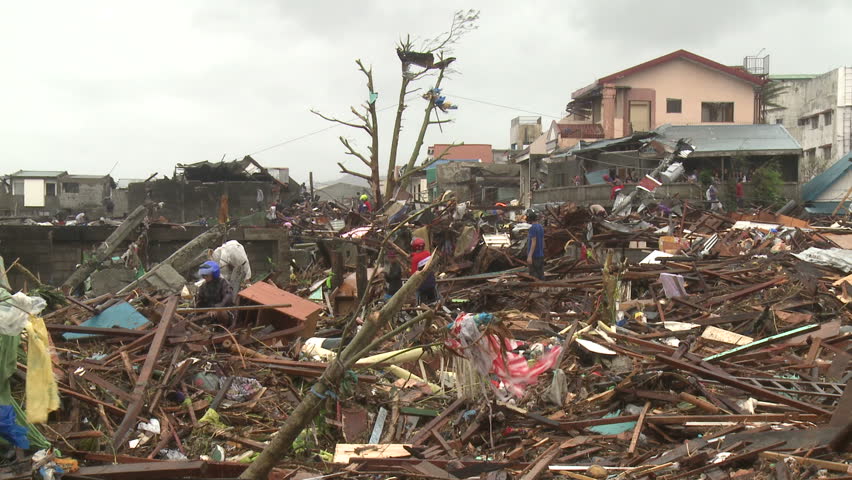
(215,292)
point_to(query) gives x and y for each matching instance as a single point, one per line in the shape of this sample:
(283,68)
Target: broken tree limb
(333,375)
(105,249)
(184,258)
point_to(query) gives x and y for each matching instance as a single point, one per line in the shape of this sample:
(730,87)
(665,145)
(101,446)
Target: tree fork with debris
(106,248)
(333,375)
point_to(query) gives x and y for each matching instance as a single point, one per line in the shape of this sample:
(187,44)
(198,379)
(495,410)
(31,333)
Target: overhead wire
(316,132)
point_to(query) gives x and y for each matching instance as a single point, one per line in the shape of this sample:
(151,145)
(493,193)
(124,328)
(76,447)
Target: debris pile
(662,343)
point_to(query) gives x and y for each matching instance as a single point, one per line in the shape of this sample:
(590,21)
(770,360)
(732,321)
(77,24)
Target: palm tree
(768,94)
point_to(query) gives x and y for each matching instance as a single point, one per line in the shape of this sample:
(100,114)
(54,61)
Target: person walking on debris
(393,274)
(712,195)
(427,292)
(535,246)
(215,292)
(364,206)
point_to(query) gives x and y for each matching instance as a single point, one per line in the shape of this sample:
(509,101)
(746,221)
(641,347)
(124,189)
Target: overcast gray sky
(147,85)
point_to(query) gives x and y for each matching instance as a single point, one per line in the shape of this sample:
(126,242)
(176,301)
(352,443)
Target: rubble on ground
(691,344)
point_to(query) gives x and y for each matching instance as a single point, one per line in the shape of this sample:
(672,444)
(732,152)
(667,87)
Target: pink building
(680,88)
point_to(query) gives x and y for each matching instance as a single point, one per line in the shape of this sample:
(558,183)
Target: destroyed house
(722,152)
(469,171)
(678,88)
(38,193)
(205,189)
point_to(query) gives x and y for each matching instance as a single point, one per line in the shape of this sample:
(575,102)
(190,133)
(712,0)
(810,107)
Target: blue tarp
(121,315)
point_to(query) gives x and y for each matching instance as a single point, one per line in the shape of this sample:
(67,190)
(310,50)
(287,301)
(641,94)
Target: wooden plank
(762,342)
(436,423)
(138,394)
(636,431)
(103,383)
(145,471)
(110,332)
(540,466)
(717,334)
(343,452)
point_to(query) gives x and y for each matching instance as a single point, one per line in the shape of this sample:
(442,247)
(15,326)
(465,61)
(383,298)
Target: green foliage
(705,177)
(766,185)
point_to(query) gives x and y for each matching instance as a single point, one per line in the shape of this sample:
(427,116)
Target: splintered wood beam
(135,408)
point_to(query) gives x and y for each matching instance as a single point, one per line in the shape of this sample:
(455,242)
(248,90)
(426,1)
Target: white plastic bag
(16,309)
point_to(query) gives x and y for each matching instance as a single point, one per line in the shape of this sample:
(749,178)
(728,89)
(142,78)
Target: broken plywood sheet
(344,451)
(842,241)
(721,335)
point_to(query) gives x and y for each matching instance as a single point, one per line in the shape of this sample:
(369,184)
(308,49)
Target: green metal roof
(731,138)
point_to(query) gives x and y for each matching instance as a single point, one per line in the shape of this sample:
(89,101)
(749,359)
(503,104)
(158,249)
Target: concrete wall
(88,199)
(589,194)
(52,253)
(809,98)
(693,84)
(184,202)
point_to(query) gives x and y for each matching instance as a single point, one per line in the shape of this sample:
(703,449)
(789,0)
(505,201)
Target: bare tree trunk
(333,375)
(390,183)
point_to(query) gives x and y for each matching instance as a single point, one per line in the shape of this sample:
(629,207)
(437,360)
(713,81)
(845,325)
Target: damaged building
(721,151)
(203,190)
(53,194)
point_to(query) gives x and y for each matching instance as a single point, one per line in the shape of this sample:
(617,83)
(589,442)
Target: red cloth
(740,192)
(369,205)
(614,191)
(417,258)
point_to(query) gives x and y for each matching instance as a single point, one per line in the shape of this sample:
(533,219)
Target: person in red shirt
(740,194)
(427,292)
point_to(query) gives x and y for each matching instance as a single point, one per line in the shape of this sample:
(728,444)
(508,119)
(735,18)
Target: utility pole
(311,180)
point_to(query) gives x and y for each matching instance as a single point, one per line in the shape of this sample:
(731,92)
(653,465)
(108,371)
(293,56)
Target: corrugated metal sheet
(266,294)
(731,138)
(812,190)
(38,173)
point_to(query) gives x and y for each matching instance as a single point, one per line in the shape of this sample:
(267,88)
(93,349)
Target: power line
(506,107)
(306,135)
(316,132)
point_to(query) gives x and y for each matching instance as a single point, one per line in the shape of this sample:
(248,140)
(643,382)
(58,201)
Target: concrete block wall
(184,202)
(52,253)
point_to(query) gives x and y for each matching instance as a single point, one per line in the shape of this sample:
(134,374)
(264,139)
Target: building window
(814,122)
(50,189)
(826,151)
(827,118)
(810,154)
(779,121)
(803,121)
(673,105)
(717,112)
(71,187)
